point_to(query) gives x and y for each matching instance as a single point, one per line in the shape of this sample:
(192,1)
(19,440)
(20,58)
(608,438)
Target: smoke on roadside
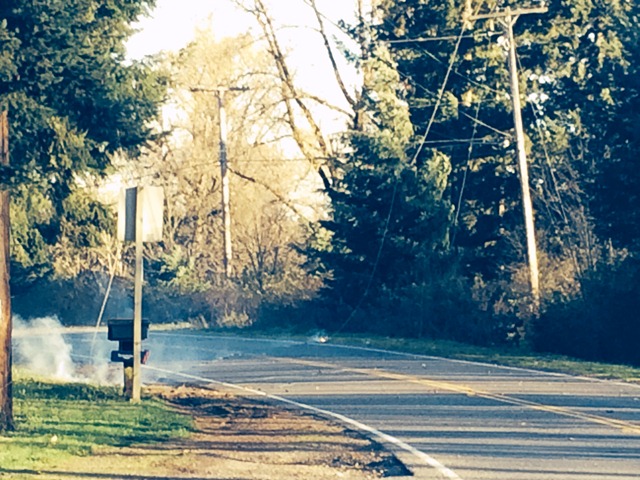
(40,346)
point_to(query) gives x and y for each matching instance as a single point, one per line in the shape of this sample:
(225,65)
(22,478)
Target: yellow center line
(626,427)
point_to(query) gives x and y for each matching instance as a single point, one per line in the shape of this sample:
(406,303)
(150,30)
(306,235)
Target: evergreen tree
(458,96)
(579,90)
(590,76)
(463,66)
(74,101)
(389,220)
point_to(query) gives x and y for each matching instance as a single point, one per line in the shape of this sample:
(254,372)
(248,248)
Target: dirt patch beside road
(241,439)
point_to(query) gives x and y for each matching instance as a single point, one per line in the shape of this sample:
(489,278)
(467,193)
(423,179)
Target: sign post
(137,297)
(140,219)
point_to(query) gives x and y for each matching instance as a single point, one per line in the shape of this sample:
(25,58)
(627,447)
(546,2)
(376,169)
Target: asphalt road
(445,419)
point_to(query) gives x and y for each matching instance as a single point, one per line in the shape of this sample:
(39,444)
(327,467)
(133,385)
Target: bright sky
(173,21)
(172,25)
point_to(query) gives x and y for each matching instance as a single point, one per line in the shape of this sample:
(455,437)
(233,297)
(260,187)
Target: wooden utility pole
(224,173)
(507,18)
(6,396)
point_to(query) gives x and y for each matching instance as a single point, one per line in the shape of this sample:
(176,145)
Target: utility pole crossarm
(508,12)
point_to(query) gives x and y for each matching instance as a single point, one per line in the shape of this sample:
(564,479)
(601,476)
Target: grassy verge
(56,421)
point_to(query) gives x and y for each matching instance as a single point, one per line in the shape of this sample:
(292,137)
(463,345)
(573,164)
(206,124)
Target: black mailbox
(121,330)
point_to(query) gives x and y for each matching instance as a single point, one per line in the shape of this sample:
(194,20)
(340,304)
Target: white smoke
(40,347)
(100,370)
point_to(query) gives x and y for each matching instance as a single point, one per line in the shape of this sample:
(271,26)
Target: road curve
(445,419)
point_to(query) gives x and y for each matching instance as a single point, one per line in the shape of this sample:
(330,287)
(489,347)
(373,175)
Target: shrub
(601,323)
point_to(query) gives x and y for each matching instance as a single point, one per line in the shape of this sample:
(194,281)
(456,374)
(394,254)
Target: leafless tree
(300,115)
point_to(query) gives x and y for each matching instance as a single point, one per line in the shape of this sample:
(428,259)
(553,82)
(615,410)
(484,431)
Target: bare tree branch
(327,104)
(285,201)
(330,55)
(291,97)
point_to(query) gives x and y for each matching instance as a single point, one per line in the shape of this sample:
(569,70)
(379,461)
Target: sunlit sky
(173,22)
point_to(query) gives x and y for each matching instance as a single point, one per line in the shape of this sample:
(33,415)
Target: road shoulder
(238,438)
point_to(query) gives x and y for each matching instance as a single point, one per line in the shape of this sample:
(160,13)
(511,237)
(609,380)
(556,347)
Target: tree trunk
(6,397)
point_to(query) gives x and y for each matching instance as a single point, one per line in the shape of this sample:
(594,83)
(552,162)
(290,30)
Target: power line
(464,176)
(440,96)
(476,83)
(393,25)
(547,157)
(482,86)
(437,38)
(385,232)
(558,196)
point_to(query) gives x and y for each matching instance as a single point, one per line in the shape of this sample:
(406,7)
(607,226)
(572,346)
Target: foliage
(456,89)
(392,209)
(85,219)
(266,225)
(74,103)
(423,234)
(600,323)
(31,213)
(74,300)
(583,64)
(589,56)
(63,244)
(457,95)
(573,72)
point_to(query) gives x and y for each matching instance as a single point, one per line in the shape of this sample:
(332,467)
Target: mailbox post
(140,219)
(121,330)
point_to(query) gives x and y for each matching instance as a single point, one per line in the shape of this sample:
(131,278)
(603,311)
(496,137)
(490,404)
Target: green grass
(58,420)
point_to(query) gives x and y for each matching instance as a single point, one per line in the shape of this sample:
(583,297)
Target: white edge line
(381,436)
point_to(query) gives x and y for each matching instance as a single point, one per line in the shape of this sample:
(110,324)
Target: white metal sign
(152,199)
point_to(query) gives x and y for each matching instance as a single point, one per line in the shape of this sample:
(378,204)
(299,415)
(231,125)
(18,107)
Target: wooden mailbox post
(140,219)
